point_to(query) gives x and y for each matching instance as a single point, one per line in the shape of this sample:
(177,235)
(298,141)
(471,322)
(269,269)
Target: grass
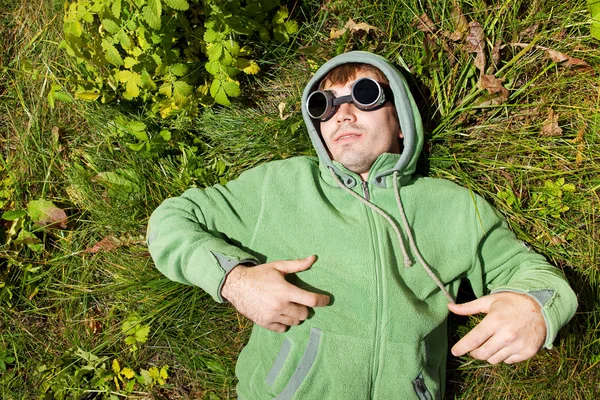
(64,298)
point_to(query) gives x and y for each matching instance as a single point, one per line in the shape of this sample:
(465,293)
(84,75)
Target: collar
(384,163)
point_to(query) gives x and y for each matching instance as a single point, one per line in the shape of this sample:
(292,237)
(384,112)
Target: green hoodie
(391,252)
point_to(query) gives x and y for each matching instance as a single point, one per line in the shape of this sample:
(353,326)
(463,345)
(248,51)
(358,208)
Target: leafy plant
(20,242)
(549,200)
(137,333)
(170,53)
(5,359)
(78,372)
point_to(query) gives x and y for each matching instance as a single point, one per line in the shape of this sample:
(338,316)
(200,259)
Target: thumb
(293,266)
(481,305)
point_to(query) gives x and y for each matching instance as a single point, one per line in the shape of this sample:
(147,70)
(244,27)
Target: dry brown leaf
(568,61)
(496,53)
(281,109)
(352,26)
(460,21)
(475,44)
(580,141)
(550,126)
(425,24)
(108,243)
(336,33)
(492,84)
(529,33)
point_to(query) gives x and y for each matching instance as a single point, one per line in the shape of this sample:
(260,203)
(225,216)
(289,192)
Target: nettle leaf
(211,36)
(110,25)
(111,53)
(166,89)
(218,93)
(238,24)
(181,5)
(181,92)
(152,13)
(179,69)
(124,40)
(214,51)
(130,62)
(213,67)
(116,8)
(232,89)
(147,82)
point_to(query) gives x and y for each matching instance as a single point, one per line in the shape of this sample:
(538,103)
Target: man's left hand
(512,331)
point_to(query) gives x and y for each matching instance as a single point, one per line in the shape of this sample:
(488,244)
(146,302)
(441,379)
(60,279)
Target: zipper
(367,195)
(378,295)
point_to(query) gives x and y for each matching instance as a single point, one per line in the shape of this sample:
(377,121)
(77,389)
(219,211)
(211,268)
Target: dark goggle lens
(366,92)
(317,105)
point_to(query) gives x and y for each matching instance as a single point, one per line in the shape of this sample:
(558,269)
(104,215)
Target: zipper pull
(367,196)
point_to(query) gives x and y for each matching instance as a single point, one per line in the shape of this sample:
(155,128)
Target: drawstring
(411,240)
(407,261)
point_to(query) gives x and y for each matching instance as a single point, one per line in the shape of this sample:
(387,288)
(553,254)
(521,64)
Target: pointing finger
(308,299)
(472,340)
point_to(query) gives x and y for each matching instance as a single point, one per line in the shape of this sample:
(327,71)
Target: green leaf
(147,82)
(280,16)
(110,25)
(231,89)
(62,96)
(45,213)
(86,95)
(141,334)
(124,40)
(75,28)
(116,8)
(165,134)
(291,27)
(166,89)
(213,67)
(181,5)
(218,93)
(179,69)
(181,92)
(211,36)
(594,6)
(137,126)
(30,240)
(13,215)
(130,62)
(152,13)
(214,51)
(111,54)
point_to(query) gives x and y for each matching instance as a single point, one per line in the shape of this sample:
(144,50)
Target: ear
(400,134)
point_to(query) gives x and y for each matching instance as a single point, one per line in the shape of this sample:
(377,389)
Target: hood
(408,115)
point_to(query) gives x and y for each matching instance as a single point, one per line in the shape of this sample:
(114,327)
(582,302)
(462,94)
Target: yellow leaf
(252,68)
(115,366)
(128,373)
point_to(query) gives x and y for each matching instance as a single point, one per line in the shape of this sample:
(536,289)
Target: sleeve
(200,236)
(505,264)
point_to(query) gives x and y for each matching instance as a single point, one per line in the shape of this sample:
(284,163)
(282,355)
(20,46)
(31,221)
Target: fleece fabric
(384,333)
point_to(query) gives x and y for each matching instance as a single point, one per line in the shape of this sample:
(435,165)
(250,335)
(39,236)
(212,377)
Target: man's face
(356,138)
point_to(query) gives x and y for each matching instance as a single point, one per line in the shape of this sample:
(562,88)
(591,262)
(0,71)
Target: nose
(346,113)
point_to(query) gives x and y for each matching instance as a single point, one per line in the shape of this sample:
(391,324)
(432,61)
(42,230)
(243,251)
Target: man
(364,316)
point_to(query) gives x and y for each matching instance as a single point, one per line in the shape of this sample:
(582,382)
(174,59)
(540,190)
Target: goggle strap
(337,101)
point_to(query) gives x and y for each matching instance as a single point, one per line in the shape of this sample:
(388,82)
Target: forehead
(344,88)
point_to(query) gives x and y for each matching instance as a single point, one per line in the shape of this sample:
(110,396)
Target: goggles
(366,94)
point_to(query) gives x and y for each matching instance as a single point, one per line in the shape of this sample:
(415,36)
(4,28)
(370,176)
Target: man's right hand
(262,294)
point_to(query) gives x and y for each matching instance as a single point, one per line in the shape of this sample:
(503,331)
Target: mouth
(346,136)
